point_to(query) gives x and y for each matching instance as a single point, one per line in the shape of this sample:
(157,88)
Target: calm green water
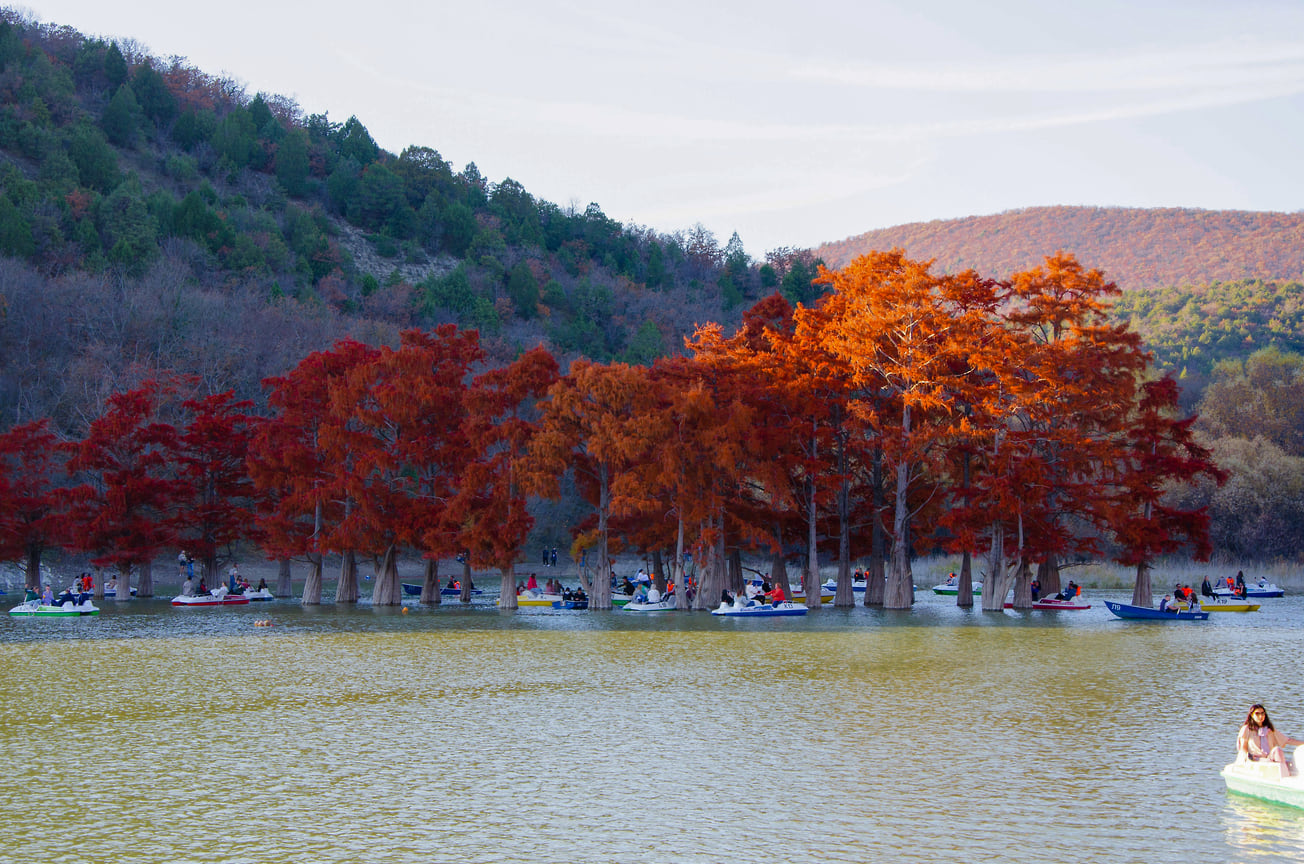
(152,734)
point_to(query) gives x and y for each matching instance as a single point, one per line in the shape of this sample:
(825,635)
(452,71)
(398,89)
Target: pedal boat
(67,609)
(752,609)
(1262,779)
(216,597)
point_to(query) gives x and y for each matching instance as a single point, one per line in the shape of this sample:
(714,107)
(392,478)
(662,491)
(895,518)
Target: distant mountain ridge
(1135,247)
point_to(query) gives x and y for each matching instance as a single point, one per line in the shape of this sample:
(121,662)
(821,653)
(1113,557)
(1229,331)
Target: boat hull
(67,610)
(666,605)
(412,590)
(1076,605)
(185,601)
(952,590)
(1214,606)
(1252,591)
(1144,613)
(1262,780)
(761,610)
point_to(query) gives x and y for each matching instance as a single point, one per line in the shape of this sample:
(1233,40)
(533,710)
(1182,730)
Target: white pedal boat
(1262,779)
(67,609)
(665,604)
(752,609)
(216,597)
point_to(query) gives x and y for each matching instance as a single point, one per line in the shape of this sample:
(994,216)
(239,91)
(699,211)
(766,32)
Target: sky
(791,124)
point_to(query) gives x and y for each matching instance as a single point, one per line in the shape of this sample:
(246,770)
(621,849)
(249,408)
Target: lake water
(152,734)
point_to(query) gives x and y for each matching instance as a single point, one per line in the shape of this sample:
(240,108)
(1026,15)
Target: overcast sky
(790,123)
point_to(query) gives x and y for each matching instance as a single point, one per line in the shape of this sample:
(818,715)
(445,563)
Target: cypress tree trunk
(124,583)
(779,572)
(875,581)
(346,589)
(994,584)
(600,591)
(387,591)
(810,576)
(659,569)
(312,585)
(467,582)
(506,586)
(737,581)
(146,587)
(681,584)
(899,592)
(1141,592)
(964,597)
(430,594)
(32,578)
(1023,585)
(284,584)
(99,583)
(844,596)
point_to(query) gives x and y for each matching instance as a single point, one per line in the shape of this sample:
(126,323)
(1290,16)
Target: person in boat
(653,595)
(31,595)
(950,579)
(188,587)
(1259,740)
(203,586)
(1035,587)
(775,595)
(262,584)
(726,599)
(47,596)
(532,584)
(1206,590)
(66,596)
(1240,583)
(1166,604)
(1068,592)
(627,587)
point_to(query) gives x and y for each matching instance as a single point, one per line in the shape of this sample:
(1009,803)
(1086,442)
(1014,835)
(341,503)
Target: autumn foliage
(905,410)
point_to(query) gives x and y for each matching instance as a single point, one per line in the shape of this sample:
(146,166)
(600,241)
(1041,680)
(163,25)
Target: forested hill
(156,217)
(1137,248)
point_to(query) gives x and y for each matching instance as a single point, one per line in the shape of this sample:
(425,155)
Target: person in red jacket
(775,595)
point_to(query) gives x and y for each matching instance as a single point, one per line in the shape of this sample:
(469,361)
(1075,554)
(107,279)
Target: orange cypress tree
(589,424)
(488,510)
(290,464)
(908,335)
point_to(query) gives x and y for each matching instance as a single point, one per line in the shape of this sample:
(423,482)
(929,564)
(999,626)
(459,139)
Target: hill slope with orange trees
(1137,248)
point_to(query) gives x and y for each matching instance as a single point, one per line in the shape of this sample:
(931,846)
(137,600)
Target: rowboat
(67,609)
(857,585)
(1262,779)
(1229,606)
(752,609)
(538,598)
(1145,613)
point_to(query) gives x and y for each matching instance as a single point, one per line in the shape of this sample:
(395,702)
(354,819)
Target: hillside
(1137,248)
(156,217)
